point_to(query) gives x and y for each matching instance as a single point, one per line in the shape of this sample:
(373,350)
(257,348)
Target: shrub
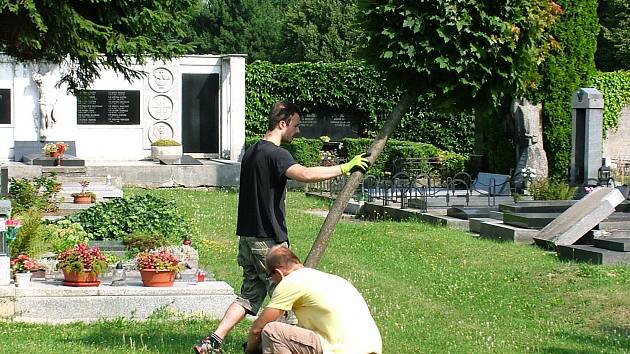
(64,234)
(30,236)
(165,142)
(32,193)
(550,189)
(142,241)
(124,216)
(305,151)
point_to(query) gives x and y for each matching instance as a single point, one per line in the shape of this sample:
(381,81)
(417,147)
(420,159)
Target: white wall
(123,142)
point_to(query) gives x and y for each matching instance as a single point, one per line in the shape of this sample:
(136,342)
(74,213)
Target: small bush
(32,193)
(165,142)
(124,216)
(30,237)
(305,151)
(550,189)
(64,234)
(141,241)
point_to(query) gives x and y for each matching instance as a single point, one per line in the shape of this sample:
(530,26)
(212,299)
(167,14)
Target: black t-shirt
(262,191)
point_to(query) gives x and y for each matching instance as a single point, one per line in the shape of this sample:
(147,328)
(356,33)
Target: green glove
(359,162)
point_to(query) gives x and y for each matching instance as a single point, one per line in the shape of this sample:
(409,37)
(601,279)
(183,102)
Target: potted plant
(22,266)
(84,197)
(166,149)
(157,267)
(55,149)
(81,265)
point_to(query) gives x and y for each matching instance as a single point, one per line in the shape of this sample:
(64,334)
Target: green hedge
(306,153)
(351,86)
(568,67)
(615,86)
(451,163)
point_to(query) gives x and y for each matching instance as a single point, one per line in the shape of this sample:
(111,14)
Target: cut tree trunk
(325,233)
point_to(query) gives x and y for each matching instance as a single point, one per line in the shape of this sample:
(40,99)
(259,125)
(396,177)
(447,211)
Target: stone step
(50,302)
(474,224)
(496,215)
(464,212)
(529,220)
(502,232)
(592,254)
(538,206)
(64,170)
(114,181)
(616,221)
(473,201)
(613,244)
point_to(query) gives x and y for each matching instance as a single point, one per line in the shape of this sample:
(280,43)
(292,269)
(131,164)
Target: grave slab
(529,220)
(501,232)
(496,215)
(22,148)
(580,218)
(184,160)
(492,183)
(464,212)
(613,244)
(592,254)
(474,224)
(50,302)
(616,221)
(539,206)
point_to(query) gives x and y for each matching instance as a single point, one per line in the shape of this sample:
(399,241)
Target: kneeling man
(332,315)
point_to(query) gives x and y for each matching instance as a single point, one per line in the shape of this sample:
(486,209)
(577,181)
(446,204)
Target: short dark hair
(282,111)
(280,255)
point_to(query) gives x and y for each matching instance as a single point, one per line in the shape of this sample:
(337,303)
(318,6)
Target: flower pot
(23,280)
(82,199)
(166,152)
(159,278)
(80,279)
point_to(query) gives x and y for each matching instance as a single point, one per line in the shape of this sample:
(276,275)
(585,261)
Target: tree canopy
(613,44)
(461,53)
(91,34)
(320,30)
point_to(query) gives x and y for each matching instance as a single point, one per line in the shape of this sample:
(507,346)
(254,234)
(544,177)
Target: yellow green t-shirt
(331,307)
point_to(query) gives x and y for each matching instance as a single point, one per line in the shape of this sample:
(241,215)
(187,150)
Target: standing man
(332,316)
(265,169)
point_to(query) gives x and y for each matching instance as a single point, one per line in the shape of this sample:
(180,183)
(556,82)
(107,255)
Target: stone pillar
(532,159)
(5,265)
(233,106)
(586,140)
(4,180)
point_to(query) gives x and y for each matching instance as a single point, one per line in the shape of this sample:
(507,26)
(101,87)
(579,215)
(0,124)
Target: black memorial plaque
(108,107)
(336,125)
(5,106)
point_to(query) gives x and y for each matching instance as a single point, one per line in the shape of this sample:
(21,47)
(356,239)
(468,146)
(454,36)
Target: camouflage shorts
(251,257)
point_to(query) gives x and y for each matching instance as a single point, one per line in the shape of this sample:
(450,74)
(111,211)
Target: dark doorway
(200,113)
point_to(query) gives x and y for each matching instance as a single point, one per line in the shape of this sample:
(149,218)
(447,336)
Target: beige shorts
(284,338)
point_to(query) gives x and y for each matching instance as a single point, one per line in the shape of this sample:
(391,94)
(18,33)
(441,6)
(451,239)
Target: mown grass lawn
(430,289)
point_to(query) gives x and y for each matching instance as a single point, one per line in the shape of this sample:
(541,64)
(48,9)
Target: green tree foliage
(251,27)
(466,53)
(94,33)
(613,44)
(354,87)
(319,30)
(569,67)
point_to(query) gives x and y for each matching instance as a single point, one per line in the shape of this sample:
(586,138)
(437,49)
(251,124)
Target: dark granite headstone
(22,148)
(529,220)
(4,180)
(42,160)
(592,254)
(492,183)
(334,124)
(184,160)
(108,107)
(613,244)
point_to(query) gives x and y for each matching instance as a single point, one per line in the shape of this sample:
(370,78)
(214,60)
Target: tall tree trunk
(325,233)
